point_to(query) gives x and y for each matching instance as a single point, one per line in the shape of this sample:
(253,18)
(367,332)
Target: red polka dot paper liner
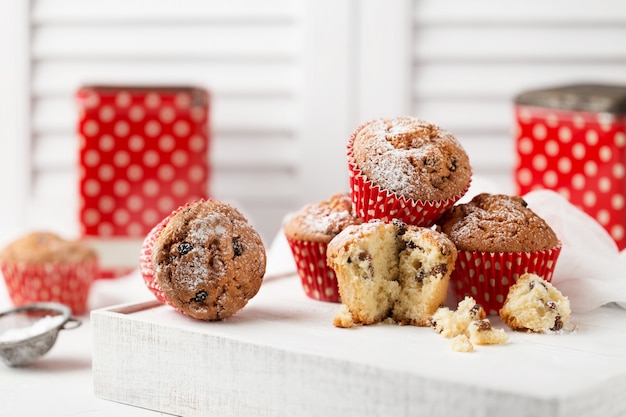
(65,283)
(373,202)
(145,260)
(487,276)
(319,281)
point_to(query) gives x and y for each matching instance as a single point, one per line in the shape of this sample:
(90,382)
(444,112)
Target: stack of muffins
(406,176)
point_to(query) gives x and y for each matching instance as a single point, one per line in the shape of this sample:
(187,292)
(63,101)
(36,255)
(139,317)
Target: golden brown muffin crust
(44,247)
(321,221)
(413,158)
(208,260)
(497,223)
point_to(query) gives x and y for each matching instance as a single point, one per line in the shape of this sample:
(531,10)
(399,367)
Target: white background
(289,81)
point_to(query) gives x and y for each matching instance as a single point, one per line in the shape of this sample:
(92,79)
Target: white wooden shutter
(290,80)
(248,54)
(466,60)
(471,58)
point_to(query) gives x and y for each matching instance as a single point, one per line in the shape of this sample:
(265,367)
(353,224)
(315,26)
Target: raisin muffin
(42,266)
(536,305)
(308,232)
(499,238)
(497,223)
(391,271)
(205,260)
(406,168)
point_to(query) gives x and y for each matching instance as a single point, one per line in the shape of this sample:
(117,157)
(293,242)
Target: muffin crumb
(481,332)
(461,343)
(536,305)
(450,323)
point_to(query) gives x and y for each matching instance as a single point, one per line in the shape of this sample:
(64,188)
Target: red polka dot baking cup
(65,283)
(318,279)
(145,260)
(487,276)
(372,202)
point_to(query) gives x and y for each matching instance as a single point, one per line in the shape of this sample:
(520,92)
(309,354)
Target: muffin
(405,168)
(308,232)
(42,266)
(535,305)
(499,238)
(205,260)
(390,272)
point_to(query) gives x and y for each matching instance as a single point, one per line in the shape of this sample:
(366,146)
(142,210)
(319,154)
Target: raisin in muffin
(207,261)
(499,238)
(308,232)
(406,168)
(391,271)
(536,305)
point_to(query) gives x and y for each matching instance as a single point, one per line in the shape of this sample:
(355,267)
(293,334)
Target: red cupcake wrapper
(145,260)
(372,202)
(65,283)
(319,281)
(487,276)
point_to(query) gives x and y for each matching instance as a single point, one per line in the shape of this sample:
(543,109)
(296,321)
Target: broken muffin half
(391,271)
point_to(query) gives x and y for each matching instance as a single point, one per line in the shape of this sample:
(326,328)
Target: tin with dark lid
(572,139)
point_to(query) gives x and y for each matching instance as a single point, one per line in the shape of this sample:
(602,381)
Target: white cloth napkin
(590,270)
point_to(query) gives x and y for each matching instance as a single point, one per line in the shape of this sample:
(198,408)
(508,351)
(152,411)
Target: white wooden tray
(281,356)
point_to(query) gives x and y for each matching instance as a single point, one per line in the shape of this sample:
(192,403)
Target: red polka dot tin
(143,152)
(572,139)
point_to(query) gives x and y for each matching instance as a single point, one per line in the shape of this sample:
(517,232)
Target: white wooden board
(281,356)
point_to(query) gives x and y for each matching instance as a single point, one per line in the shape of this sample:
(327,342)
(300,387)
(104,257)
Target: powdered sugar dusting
(322,220)
(412,158)
(36,328)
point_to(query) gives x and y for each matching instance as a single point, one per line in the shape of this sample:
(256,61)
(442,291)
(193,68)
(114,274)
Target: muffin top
(45,247)
(497,223)
(412,157)
(321,221)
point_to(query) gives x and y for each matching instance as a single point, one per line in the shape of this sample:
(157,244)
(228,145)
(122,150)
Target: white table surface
(60,382)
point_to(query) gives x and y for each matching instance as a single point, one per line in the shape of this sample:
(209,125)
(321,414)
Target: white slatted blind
(246,53)
(291,79)
(469,60)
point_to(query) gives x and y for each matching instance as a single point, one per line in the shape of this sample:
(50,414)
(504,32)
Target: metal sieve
(29,331)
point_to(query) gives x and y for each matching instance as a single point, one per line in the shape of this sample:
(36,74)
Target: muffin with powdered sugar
(406,168)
